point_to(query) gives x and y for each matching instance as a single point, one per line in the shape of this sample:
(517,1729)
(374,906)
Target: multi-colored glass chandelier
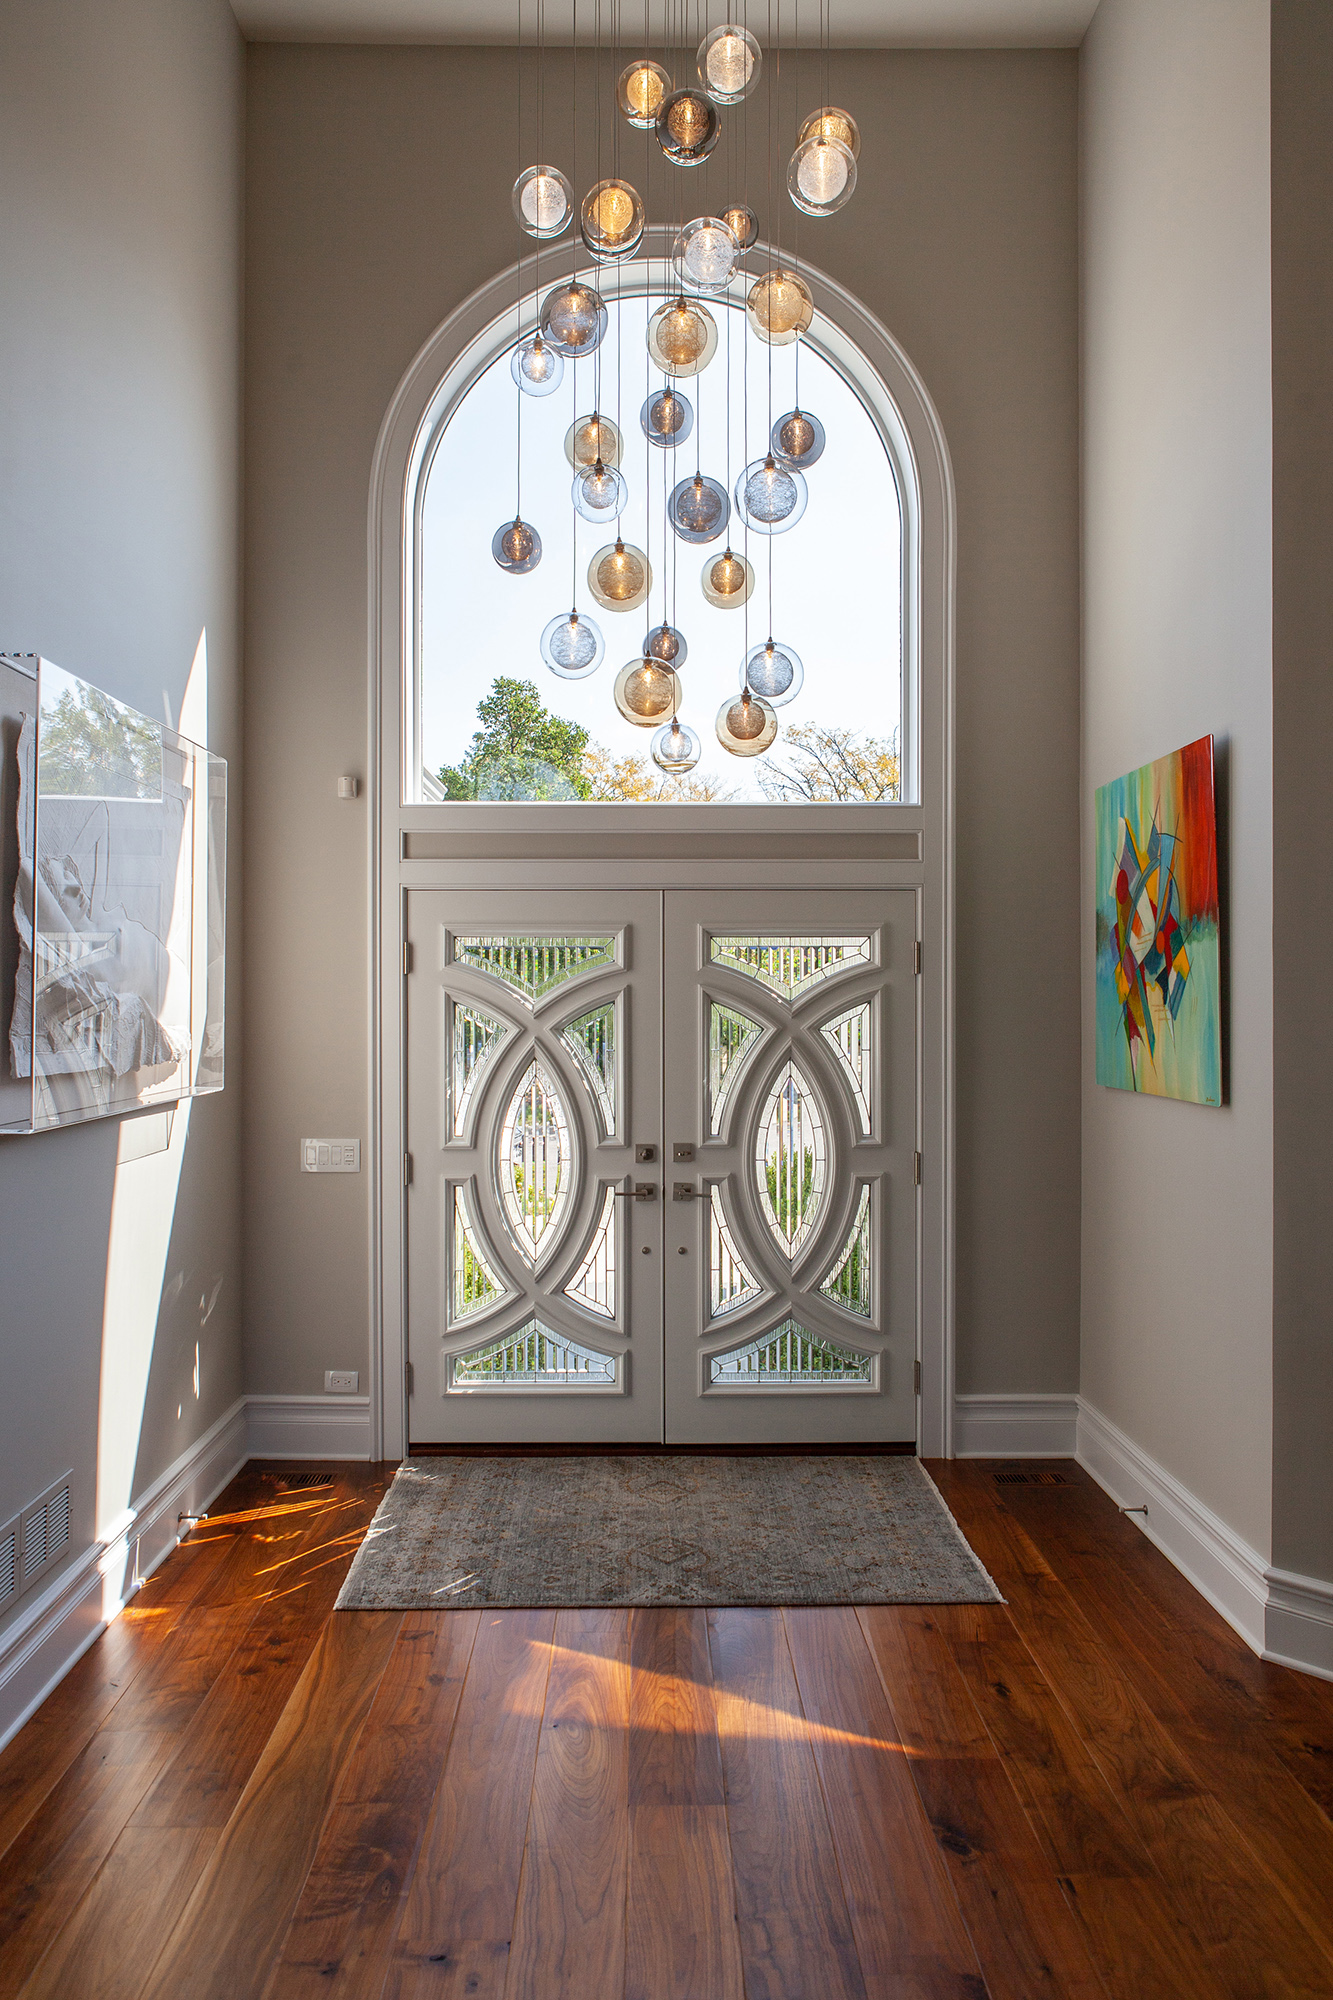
(770,494)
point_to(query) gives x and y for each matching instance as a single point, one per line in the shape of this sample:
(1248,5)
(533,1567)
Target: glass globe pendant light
(742,222)
(537,367)
(667,418)
(773,671)
(698,509)
(706,254)
(640,90)
(599,492)
(517,547)
(647,692)
(728,581)
(831,123)
(821,175)
(779,307)
(797,440)
(666,644)
(611,220)
(746,724)
(675,748)
(688,127)
(592,437)
(770,498)
(573,319)
(573,647)
(543,201)
(729,62)
(682,337)
(620,577)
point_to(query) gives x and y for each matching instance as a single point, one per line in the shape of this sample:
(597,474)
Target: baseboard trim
(59,1624)
(309,1426)
(1009,1426)
(1298,1626)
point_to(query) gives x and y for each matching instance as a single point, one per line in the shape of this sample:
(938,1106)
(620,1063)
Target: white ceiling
(855,23)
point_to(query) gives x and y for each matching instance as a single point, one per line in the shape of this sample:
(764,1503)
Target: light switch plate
(341,1381)
(330,1156)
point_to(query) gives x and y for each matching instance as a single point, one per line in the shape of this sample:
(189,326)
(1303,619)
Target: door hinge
(916,1376)
(916,1170)
(409,1379)
(407,958)
(407,1169)
(918,957)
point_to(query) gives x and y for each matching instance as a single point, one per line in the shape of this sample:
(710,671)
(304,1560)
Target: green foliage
(521,751)
(790,1204)
(92,747)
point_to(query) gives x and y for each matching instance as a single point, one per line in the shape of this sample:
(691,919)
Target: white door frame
(491,846)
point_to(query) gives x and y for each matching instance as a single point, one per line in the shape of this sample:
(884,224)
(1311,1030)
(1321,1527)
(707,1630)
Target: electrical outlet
(330,1156)
(341,1381)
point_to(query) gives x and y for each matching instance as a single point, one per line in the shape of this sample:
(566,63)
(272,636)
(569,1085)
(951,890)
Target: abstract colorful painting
(1159,1014)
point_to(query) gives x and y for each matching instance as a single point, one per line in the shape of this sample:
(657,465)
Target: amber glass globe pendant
(746,724)
(688,127)
(646,692)
(640,90)
(620,577)
(611,220)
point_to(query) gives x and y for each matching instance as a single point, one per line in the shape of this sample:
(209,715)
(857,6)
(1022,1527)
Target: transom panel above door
(790,1262)
(534,1079)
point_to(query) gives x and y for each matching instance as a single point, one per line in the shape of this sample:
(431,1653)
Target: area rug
(662,1530)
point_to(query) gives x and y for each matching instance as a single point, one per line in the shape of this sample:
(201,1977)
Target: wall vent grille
(34,1540)
(1030,1479)
(296,1482)
(9,1563)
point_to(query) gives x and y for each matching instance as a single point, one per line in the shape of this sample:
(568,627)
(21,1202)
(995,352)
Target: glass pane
(729,1282)
(848,1283)
(535,1162)
(213,770)
(592,1038)
(789,1160)
(789,1357)
(476,1037)
(532,967)
(534,1358)
(594,1283)
(731,1035)
(475,1284)
(849,1038)
(789,966)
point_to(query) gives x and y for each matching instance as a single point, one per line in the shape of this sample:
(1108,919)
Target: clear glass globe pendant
(517,547)
(727,581)
(611,220)
(592,437)
(770,498)
(706,253)
(640,90)
(537,367)
(675,748)
(666,644)
(746,724)
(667,418)
(773,671)
(543,201)
(646,692)
(729,62)
(698,509)
(797,440)
(573,319)
(599,492)
(688,127)
(573,647)
(821,175)
(681,337)
(620,577)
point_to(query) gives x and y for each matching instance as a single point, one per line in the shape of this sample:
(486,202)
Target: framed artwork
(1159,1013)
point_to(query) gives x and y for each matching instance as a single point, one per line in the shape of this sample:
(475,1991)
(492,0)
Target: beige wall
(120,244)
(378,198)
(1177,443)
(1302,100)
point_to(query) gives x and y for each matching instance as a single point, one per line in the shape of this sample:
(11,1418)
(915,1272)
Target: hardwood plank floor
(1091,1791)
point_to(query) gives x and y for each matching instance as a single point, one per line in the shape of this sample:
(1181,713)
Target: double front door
(662,1151)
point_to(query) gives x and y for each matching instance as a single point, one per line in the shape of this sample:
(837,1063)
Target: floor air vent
(1030,1479)
(300,1482)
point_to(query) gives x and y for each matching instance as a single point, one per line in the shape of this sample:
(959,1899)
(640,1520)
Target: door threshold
(599,1450)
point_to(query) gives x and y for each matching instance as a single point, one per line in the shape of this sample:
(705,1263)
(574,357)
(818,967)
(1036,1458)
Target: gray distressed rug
(669,1529)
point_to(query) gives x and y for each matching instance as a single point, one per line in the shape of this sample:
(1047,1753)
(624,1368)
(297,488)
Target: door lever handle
(641,1191)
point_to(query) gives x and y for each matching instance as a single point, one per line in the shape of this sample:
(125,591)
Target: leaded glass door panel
(790,1267)
(534,1076)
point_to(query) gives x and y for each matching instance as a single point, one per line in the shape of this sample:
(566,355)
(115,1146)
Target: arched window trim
(405,833)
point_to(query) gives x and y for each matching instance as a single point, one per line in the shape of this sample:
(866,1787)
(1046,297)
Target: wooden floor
(1095,1790)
